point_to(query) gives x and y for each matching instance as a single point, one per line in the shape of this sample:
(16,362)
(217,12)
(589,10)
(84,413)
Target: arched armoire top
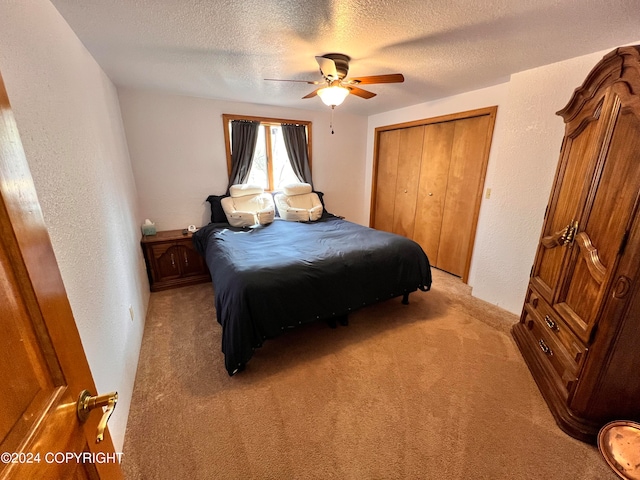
(618,65)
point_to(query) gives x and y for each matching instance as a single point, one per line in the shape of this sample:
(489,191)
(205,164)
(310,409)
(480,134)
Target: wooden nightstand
(172,261)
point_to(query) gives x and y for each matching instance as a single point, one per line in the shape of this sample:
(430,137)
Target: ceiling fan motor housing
(341,61)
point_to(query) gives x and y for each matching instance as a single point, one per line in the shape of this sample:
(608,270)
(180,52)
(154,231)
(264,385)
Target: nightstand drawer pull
(186,260)
(173,261)
(550,323)
(544,347)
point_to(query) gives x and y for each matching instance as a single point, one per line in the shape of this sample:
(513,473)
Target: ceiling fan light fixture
(333,96)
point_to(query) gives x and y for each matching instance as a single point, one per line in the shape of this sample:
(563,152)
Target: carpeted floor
(436,389)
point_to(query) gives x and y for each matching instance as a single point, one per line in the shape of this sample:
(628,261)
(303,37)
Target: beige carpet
(433,390)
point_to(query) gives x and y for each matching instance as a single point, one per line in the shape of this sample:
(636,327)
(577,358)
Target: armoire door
(568,198)
(428,182)
(601,230)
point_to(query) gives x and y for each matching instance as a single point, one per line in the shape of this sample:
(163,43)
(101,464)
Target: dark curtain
(244,135)
(295,141)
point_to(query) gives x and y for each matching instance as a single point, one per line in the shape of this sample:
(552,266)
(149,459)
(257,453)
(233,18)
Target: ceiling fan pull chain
(333,107)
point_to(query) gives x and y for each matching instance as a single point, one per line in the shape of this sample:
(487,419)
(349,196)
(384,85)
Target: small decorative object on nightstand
(148,227)
(172,260)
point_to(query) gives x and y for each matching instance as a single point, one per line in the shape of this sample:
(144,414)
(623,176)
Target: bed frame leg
(340,319)
(405,299)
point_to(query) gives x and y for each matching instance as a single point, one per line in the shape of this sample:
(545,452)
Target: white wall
(177,151)
(527,148)
(69,120)
(522,163)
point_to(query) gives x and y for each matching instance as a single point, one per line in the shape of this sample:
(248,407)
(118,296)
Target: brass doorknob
(87,402)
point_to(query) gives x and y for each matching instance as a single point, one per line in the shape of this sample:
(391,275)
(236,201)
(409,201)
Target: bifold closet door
(451,181)
(409,158)
(399,160)
(464,191)
(432,190)
(428,184)
(388,145)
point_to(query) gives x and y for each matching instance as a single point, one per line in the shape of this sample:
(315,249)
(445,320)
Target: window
(271,167)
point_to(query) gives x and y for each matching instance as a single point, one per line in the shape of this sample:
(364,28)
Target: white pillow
(242,190)
(296,189)
(248,206)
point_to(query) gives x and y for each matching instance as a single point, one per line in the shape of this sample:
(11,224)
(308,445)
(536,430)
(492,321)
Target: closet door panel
(432,189)
(464,189)
(387,174)
(607,218)
(409,157)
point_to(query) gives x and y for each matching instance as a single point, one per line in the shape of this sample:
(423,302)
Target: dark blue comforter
(270,278)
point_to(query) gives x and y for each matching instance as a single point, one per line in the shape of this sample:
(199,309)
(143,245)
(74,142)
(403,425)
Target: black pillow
(217,213)
(325,214)
(320,197)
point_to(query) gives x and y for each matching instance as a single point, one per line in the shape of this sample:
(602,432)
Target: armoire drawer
(550,321)
(559,365)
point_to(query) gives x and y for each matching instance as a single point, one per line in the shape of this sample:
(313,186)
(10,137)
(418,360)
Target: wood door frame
(491,112)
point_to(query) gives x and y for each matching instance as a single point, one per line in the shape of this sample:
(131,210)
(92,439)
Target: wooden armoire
(579,331)
(428,181)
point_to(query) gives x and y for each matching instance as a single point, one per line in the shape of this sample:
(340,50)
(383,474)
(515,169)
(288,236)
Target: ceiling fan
(335,88)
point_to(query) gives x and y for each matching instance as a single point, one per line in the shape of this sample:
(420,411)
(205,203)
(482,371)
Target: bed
(270,278)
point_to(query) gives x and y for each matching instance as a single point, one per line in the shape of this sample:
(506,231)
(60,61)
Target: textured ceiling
(225,48)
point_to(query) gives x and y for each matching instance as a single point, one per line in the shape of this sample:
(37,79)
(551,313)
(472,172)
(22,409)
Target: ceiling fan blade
(312,94)
(391,78)
(299,81)
(361,93)
(327,67)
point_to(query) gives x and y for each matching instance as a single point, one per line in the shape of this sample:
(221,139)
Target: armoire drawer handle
(550,323)
(545,348)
